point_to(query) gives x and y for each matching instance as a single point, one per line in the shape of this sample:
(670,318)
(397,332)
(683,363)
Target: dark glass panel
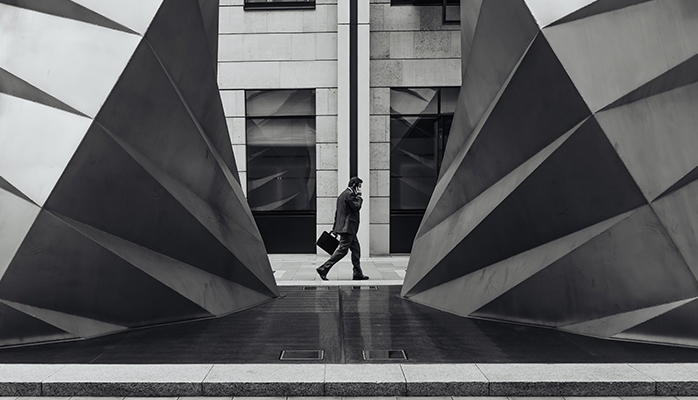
(279,103)
(422,2)
(414,101)
(278,4)
(288,132)
(281,178)
(413,167)
(449,99)
(419,129)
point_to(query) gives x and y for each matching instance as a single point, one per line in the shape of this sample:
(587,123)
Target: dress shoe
(322,273)
(360,277)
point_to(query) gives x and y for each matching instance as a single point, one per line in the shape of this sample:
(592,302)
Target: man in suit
(346,224)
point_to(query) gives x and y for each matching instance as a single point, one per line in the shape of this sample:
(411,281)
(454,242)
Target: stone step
(340,380)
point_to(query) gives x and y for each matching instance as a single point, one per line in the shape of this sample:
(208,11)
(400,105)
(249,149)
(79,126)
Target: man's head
(355,182)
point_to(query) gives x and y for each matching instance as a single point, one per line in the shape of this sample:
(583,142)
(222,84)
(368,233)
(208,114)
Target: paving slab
(361,380)
(102,398)
(566,380)
(25,379)
(672,379)
(265,380)
(198,398)
(444,380)
(127,380)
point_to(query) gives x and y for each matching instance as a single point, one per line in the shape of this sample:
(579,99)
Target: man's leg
(339,253)
(356,259)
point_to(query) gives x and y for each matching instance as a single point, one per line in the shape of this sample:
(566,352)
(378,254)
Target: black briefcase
(327,242)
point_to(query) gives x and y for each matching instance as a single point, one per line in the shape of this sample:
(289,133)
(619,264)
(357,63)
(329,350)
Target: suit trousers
(347,241)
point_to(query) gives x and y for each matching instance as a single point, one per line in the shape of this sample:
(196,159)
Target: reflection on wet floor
(344,322)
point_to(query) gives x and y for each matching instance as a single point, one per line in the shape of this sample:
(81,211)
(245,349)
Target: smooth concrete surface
(360,380)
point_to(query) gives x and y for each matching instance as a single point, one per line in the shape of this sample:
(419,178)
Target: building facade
(317,92)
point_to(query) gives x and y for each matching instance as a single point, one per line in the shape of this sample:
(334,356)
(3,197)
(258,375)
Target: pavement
(299,270)
(346,380)
(388,380)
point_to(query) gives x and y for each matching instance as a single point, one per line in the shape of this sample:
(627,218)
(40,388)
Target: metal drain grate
(365,287)
(384,355)
(302,355)
(316,288)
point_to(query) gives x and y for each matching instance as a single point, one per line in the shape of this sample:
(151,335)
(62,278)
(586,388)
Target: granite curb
(349,380)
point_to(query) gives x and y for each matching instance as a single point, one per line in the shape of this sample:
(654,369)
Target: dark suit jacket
(346,218)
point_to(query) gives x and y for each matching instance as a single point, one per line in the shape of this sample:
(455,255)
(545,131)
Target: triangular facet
(73,324)
(568,192)
(633,265)
(8,187)
(615,324)
(678,326)
(106,188)
(169,139)
(610,55)
(67,9)
(16,218)
(188,64)
(503,33)
(18,328)
(513,133)
(36,143)
(134,14)
(57,268)
(211,292)
(595,8)
(656,138)
(79,66)
(678,216)
(432,247)
(548,11)
(466,294)
(15,86)
(681,75)
(470,14)
(209,16)
(685,181)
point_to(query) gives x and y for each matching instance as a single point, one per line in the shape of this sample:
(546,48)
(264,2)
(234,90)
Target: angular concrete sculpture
(569,195)
(120,204)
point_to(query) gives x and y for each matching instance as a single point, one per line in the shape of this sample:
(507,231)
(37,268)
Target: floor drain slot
(302,355)
(316,288)
(384,355)
(365,287)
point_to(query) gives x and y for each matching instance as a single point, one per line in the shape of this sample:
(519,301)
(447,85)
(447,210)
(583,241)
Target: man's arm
(354,201)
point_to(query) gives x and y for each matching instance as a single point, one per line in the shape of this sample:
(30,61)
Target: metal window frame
(279,5)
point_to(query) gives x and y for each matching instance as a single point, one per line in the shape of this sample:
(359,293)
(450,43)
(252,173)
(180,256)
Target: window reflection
(281,150)
(278,4)
(419,125)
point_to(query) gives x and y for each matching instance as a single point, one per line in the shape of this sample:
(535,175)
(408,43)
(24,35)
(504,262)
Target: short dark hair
(355,181)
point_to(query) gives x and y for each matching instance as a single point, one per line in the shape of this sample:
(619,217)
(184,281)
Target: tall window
(281,167)
(420,120)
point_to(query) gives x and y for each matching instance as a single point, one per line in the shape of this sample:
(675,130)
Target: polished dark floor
(343,321)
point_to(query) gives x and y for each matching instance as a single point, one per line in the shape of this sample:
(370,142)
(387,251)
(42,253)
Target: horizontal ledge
(313,379)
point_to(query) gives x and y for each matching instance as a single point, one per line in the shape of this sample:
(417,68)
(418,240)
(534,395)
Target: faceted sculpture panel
(567,196)
(120,202)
